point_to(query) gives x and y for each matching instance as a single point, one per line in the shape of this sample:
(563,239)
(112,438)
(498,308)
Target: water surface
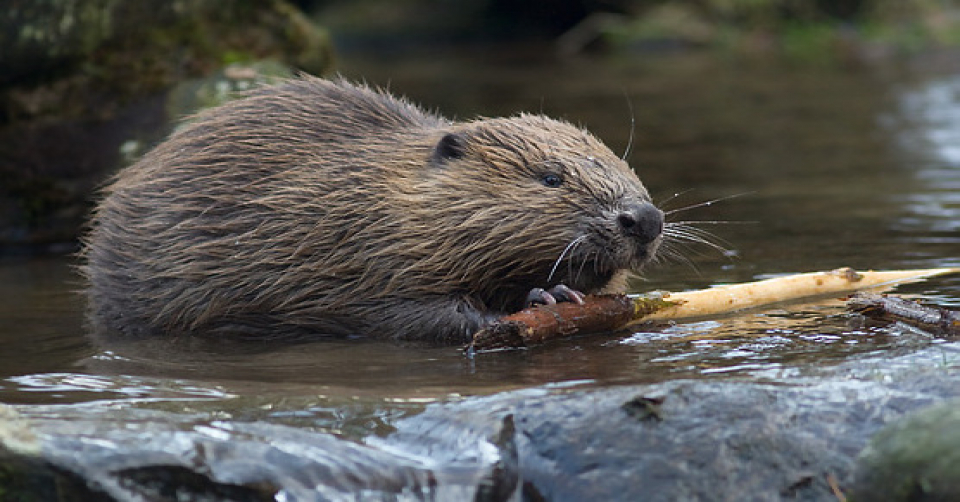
(817,168)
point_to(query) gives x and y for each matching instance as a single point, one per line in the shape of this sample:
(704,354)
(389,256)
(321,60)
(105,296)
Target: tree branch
(606,313)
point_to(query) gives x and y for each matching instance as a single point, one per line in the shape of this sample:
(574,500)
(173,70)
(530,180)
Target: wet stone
(710,440)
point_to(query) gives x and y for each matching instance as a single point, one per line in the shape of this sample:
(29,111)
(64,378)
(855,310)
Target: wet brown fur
(320,207)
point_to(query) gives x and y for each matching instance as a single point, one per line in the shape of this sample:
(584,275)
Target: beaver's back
(233,222)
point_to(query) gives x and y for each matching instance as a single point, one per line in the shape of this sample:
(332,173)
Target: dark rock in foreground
(683,440)
(706,441)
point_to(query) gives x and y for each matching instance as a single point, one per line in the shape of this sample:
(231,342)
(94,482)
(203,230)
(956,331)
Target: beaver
(318,207)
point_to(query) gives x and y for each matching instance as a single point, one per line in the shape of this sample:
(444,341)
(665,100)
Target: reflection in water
(932,112)
(767,344)
(934,109)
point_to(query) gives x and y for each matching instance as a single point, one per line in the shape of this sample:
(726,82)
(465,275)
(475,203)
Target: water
(824,168)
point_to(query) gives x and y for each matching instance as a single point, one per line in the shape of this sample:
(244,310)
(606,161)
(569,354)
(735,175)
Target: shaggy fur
(320,207)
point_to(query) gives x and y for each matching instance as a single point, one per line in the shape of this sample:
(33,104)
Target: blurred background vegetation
(88,85)
(809,29)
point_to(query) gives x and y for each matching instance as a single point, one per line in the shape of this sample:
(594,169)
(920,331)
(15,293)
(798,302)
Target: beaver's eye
(551,180)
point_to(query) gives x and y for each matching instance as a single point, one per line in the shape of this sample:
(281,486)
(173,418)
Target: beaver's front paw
(558,293)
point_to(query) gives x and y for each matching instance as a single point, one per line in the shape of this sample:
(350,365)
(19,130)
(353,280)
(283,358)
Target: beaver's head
(529,201)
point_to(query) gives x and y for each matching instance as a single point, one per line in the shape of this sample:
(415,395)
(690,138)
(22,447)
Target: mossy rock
(914,459)
(117,49)
(84,80)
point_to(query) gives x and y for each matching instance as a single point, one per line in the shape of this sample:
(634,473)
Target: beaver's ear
(451,146)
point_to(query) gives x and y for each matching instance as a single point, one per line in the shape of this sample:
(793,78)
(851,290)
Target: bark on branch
(936,320)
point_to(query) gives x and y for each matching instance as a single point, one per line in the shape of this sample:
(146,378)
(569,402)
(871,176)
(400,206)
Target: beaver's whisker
(676,227)
(704,203)
(668,252)
(707,222)
(681,237)
(583,263)
(679,233)
(690,234)
(570,262)
(566,250)
(633,128)
(672,197)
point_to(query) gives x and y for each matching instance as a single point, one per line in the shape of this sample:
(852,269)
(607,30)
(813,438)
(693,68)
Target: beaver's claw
(558,293)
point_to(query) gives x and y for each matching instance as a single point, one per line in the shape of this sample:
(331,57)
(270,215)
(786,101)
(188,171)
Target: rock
(83,78)
(696,440)
(794,439)
(15,435)
(26,475)
(916,458)
(166,457)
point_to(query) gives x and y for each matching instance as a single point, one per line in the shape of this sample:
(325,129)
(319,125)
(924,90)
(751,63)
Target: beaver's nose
(643,221)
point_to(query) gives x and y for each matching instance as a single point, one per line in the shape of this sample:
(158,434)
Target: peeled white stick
(606,313)
(724,299)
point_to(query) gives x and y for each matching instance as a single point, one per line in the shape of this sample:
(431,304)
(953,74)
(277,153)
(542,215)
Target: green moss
(916,458)
(811,43)
(192,95)
(119,51)
(235,57)
(669,22)
(807,32)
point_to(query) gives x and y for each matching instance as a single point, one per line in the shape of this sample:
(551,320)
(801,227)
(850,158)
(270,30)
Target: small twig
(936,320)
(835,488)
